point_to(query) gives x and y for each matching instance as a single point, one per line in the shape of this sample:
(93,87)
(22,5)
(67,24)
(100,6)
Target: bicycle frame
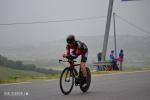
(72,66)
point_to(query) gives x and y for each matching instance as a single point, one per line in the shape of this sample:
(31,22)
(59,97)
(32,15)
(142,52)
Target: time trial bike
(71,76)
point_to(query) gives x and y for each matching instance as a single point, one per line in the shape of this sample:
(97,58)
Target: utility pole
(114,14)
(107,29)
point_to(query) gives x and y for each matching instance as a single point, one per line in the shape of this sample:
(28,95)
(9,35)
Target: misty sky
(12,11)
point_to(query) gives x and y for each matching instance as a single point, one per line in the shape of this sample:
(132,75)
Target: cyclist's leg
(83,69)
(83,64)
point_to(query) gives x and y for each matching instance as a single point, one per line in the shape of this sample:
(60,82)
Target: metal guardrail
(101,63)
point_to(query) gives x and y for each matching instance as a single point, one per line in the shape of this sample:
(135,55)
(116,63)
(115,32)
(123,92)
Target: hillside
(137,50)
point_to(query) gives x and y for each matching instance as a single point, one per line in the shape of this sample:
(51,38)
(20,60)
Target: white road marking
(15,83)
(51,80)
(121,73)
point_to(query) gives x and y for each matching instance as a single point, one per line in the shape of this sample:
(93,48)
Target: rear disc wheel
(88,81)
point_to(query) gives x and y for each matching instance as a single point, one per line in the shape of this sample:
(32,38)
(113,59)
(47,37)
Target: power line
(53,21)
(135,26)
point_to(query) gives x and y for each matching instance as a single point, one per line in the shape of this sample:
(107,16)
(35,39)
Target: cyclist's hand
(64,55)
(71,57)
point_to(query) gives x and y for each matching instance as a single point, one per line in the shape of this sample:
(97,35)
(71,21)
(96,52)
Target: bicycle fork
(67,77)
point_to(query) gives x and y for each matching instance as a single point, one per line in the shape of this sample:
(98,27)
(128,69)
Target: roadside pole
(115,43)
(107,29)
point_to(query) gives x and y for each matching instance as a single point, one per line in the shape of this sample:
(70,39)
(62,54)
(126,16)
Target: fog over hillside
(137,49)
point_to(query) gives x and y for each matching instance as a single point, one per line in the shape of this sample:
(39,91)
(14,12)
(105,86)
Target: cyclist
(78,49)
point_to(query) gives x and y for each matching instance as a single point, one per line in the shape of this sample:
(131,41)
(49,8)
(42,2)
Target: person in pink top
(121,58)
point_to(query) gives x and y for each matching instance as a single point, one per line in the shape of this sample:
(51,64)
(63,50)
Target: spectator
(99,56)
(113,60)
(121,58)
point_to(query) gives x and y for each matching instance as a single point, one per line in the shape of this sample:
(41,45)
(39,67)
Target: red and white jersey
(78,48)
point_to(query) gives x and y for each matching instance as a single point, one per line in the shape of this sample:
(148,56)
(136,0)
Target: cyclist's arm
(68,50)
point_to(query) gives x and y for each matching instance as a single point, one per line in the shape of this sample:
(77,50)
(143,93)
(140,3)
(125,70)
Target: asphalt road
(127,86)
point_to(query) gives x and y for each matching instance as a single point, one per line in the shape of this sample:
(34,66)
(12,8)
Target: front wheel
(88,82)
(66,81)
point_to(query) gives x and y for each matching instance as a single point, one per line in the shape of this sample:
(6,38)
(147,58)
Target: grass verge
(8,75)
